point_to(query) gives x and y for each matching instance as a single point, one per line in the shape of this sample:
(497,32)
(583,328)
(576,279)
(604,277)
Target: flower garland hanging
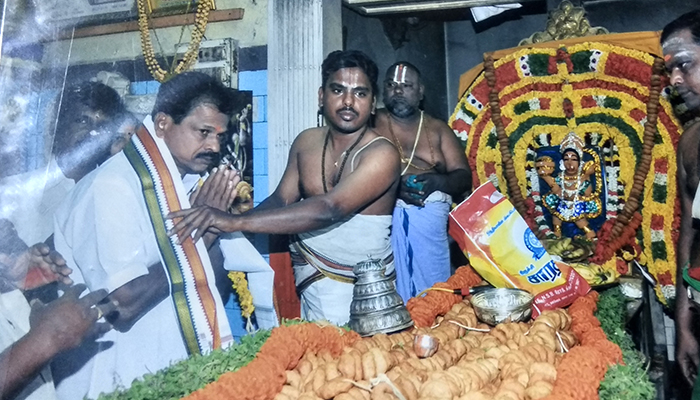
(622,226)
(516,196)
(190,57)
(245,298)
(618,100)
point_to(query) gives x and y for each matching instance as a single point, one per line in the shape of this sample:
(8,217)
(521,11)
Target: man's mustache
(400,106)
(209,155)
(352,110)
(397,99)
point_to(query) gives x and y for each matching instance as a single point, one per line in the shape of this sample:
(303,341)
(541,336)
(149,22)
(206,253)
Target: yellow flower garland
(471,111)
(240,285)
(200,25)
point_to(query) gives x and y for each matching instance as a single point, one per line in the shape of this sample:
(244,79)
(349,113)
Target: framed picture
(70,11)
(170,7)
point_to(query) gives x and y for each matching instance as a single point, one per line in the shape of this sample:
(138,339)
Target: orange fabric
(647,42)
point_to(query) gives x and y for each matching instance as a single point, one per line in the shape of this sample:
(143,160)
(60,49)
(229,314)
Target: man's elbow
(461,180)
(333,211)
(466,179)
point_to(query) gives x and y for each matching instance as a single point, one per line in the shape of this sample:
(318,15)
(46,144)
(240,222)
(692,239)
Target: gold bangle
(586,229)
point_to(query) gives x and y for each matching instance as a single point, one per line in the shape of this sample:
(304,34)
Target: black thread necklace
(346,154)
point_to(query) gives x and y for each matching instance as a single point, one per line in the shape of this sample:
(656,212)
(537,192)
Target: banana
(594,274)
(559,247)
(565,242)
(577,253)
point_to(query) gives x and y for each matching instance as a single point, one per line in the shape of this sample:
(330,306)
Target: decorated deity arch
(514,115)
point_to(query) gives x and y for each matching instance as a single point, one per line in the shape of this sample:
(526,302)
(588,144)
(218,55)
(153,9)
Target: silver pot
(498,305)
(376,307)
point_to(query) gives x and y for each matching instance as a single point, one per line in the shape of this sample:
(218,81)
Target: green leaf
(629,381)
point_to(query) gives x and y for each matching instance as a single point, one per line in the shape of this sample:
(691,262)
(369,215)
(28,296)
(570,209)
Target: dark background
(444,45)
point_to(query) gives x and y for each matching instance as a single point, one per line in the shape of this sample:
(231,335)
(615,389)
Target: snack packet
(504,250)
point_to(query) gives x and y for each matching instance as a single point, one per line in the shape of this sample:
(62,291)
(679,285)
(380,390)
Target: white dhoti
(323,261)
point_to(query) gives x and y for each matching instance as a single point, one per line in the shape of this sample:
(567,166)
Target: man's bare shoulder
(384,144)
(690,134)
(437,125)
(689,141)
(380,122)
(378,146)
(310,137)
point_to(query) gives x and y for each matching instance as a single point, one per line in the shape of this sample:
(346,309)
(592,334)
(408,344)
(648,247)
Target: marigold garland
(632,204)
(478,359)
(615,94)
(583,367)
(264,377)
(516,196)
(245,298)
(424,309)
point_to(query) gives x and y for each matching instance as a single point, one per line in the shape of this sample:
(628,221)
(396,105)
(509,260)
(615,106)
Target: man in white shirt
(84,138)
(111,230)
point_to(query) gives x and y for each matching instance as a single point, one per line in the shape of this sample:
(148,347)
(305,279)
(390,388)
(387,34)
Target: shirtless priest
(680,41)
(434,171)
(347,177)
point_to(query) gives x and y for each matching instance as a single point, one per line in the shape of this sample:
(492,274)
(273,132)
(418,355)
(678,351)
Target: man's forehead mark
(210,126)
(400,73)
(678,55)
(674,41)
(683,53)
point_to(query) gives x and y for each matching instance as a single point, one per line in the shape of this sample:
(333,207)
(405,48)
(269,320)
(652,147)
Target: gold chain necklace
(409,161)
(200,24)
(346,154)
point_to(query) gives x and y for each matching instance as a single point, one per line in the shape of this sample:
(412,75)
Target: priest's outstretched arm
(375,177)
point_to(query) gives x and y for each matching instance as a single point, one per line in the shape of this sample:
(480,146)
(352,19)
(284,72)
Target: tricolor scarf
(193,300)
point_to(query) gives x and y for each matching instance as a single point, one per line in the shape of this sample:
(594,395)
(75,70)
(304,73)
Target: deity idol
(572,197)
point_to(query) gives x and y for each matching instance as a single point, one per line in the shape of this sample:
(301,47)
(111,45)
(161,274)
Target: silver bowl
(498,305)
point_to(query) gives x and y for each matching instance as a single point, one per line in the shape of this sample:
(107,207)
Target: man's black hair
(339,59)
(689,21)
(94,95)
(407,64)
(183,93)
